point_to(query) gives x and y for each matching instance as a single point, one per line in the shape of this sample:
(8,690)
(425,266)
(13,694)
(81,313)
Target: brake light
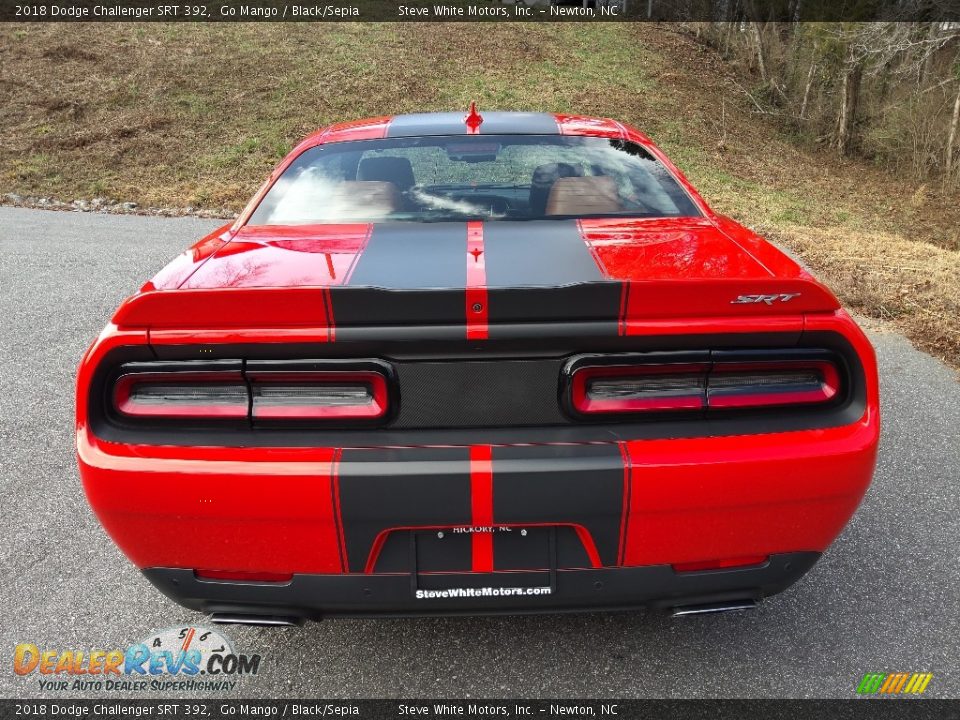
(318,395)
(684,387)
(766,383)
(213,394)
(639,388)
(259,390)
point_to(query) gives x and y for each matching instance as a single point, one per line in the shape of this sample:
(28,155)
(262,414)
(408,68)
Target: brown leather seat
(584,196)
(363,199)
(544,176)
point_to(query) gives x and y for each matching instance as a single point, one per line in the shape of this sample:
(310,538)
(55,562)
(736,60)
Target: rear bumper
(312,597)
(335,511)
(329,511)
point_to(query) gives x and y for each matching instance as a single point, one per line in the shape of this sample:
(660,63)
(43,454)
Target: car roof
(454,123)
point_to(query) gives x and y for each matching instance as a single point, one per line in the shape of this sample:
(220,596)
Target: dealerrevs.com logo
(176,659)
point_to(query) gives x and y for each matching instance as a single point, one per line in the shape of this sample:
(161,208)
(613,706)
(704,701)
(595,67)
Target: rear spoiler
(611,301)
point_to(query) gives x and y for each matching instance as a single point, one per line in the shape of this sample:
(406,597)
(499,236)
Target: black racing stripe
(406,256)
(537,253)
(452,123)
(523,123)
(542,270)
(399,277)
(577,485)
(597,302)
(410,487)
(357,308)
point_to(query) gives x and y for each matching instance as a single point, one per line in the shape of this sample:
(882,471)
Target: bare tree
(806,89)
(952,134)
(885,90)
(849,102)
(758,43)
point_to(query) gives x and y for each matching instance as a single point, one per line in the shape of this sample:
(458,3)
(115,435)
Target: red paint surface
(242,308)
(688,267)
(481,503)
(708,498)
(583,125)
(186,263)
(276,256)
(473,120)
(476,295)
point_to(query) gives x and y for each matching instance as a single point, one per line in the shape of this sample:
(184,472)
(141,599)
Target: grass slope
(196,115)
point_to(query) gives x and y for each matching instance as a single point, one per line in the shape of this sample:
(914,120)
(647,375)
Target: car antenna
(474,119)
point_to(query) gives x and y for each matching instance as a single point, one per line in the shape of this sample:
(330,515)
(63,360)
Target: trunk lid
(496,273)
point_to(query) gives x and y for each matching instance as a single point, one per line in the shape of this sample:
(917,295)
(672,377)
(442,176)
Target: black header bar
(947,11)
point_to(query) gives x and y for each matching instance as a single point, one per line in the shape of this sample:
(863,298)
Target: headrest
(396,170)
(551,172)
(363,200)
(595,195)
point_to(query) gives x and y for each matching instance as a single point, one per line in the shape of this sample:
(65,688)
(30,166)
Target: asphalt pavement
(884,598)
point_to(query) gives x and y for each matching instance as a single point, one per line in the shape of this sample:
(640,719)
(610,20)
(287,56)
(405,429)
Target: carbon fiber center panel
(494,393)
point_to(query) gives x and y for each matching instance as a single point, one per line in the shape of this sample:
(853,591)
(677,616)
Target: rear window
(482,177)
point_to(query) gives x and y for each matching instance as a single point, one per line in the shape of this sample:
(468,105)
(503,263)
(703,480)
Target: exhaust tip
(259,620)
(708,608)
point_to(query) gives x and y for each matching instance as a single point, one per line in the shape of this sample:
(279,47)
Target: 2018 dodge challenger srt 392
(466,364)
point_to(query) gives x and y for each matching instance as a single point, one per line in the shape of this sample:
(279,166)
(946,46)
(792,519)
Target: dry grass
(913,284)
(178,115)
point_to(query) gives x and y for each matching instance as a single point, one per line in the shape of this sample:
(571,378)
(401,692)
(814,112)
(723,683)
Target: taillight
(332,395)
(624,389)
(268,391)
(766,383)
(649,386)
(212,394)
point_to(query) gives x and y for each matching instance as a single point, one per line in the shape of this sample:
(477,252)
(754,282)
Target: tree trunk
(923,70)
(758,41)
(952,136)
(806,90)
(848,106)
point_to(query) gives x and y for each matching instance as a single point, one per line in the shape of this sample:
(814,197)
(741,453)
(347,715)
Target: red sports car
(466,364)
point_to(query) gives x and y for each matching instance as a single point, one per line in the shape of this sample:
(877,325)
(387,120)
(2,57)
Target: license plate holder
(430,566)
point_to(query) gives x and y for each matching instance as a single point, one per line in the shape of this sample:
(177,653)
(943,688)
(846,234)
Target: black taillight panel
(505,392)
(176,391)
(324,392)
(629,386)
(256,393)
